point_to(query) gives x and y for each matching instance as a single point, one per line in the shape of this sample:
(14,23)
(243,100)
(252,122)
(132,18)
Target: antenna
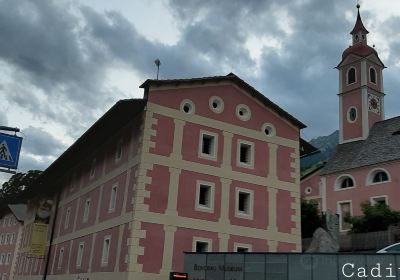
(157,62)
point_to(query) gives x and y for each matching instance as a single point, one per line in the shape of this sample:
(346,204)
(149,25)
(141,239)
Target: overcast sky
(64,63)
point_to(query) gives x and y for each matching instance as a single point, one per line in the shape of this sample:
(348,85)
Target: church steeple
(359,31)
(361,97)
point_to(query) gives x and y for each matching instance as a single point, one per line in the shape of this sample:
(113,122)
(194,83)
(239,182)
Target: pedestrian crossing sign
(10,146)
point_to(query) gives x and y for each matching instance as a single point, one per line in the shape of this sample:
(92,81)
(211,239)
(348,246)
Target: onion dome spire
(359,31)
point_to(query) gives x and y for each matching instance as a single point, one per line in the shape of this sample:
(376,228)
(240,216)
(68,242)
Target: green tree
(13,190)
(310,218)
(376,217)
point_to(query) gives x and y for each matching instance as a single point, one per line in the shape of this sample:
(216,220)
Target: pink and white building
(11,226)
(202,164)
(366,164)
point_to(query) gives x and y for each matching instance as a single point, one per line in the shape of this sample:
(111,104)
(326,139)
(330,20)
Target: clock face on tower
(374,103)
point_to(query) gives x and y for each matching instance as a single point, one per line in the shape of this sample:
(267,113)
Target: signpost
(10,147)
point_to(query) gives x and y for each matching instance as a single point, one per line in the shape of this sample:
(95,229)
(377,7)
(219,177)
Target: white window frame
(86,210)
(67,217)
(339,212)
(113,198)
(214,148)
(251,151)
(12,239)
(7,241)
(105,252)
(347,76)
(371,174)
(36,266)
(204,240)
(1,238)
(338,182)
(373,201)
(60,258)
(241,214)
(119,151)
(8,258)
(369,75)
(237,245)
(200,207)
(79,254)
(2,258)
(93,168)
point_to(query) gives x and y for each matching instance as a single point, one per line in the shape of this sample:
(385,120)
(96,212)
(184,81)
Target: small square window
(379,200)
(244,203)
(205,196)
(208,145)
(202,245)
(245,154)
(242,248)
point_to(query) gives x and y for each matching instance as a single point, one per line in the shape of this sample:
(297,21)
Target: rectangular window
(344,210)
(118,151)
(8,260)
(106,250)
(379,200)
(7,239)
(245,154)
(202,246)
(93,168)
(205,196)
(86,210)
(60,258)
(242,248)
(66,221)
(12,238)
(244,203)
(80,254)
(35,268)
(2,258)
(113,198)
(4,277)
(1,238)
(208,145)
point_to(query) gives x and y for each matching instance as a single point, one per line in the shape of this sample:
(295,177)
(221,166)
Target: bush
(310,218)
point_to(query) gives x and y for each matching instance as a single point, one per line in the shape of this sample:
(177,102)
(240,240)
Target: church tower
(360,87)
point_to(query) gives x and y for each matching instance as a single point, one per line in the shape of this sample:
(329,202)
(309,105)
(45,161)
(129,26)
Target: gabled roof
(382,145)
(306,149)
(113,120)
(359,26)
(233,79)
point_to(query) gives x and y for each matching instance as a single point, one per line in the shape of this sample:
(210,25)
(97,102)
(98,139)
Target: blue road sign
(10,146)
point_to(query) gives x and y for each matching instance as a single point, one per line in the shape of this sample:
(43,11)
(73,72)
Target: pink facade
(203,167)
(10,233)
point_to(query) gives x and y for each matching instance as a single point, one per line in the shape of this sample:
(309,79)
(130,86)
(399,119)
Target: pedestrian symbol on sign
(5,152)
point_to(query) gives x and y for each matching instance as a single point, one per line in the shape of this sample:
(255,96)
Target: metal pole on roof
(157,62)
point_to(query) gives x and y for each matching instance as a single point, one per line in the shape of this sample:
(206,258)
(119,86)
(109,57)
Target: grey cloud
(40,143)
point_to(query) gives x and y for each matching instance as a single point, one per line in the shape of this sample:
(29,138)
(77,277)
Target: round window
(187,106)
(268,129)
(216,104)
(243,112)
(308,190)
(352,114)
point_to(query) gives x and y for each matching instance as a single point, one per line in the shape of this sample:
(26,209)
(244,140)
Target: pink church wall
(232,96)
(355,85)
(363,192)
(260,210)
(158,188)
(163,138)
(352,130)
(97,266)
(285,212)
(183,242)
(187,196)
(153,246)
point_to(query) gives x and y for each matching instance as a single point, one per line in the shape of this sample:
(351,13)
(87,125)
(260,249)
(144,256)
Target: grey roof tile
(380,146)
